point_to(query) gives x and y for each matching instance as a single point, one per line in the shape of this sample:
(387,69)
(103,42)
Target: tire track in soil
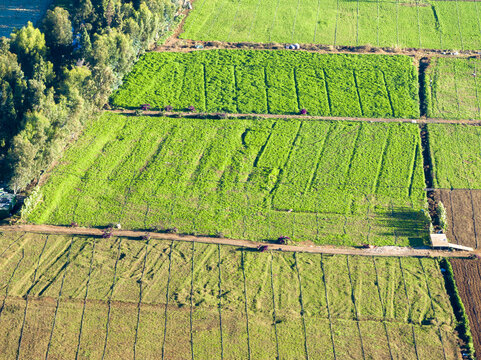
(85,300)
(9,281)
(167,300)
(58,299)
(140,298)
(110,300)
(26,299)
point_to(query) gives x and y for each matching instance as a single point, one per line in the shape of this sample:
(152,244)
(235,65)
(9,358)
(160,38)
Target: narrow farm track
(302,117)
(308,248)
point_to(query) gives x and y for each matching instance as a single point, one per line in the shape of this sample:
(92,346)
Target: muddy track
(301,247)
(290,116)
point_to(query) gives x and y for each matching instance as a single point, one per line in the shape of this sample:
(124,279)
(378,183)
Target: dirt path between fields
(301,117)
(301,247)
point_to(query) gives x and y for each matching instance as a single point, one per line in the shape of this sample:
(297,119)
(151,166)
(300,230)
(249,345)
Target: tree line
(54,77)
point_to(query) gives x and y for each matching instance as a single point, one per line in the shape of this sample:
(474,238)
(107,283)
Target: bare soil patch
(464,215)
(468,280)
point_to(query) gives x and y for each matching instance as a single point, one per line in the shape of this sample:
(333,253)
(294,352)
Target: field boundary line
(337,20)
(192,302)
(12,243)
(301,301)
(383,307)
(357,90)
(220,303)
(353,297)
(253,20)
(58,298)
(432,306)
(317,20)
(140,299)
(110,300)
(476,87)
(215,116)
(273,20)
(459,28)
(9,280)
(327,306)
(167,299)
(455,77)
(409,319)
(85,300)
(274,308)
(245,303)
(26,298)
(295,20)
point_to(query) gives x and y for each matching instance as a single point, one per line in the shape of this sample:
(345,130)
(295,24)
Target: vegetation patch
(274,82)
(328,182)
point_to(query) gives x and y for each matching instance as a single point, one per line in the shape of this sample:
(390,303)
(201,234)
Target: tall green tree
(30,46)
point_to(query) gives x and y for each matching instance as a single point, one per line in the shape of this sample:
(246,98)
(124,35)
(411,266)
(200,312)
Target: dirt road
(301,247)
(301,117)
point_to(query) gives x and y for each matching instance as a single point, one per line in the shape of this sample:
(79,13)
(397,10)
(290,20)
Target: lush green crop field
(126,299)
(418,24)
(329,182)
(274,82)
(453,88)
(456,156)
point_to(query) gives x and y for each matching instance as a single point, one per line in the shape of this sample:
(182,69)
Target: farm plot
(453,89)
(463,214)
(274,82)
(456,156)
(407,23)
(67,297)
(327,182)
(468,280)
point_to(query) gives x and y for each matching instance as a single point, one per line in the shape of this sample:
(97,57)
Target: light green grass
(418,24)
(327,182)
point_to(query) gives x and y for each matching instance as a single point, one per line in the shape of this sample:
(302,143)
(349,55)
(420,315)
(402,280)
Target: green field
(274,82)
(453,88)
(328,182)
(222,302)
(416,24)
(456,156)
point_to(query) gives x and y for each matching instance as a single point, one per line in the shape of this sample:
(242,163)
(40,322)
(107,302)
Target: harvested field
(468,281)
(463,209)
(82,297)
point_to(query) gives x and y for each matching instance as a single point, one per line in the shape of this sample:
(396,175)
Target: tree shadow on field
(405,222)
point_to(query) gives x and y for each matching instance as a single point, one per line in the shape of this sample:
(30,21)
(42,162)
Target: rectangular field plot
(453,89)
(274,82)
(406,23)
(456,156)
(327,182)
(211,302)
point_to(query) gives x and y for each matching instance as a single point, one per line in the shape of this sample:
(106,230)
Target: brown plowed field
(463,209)
(468,281)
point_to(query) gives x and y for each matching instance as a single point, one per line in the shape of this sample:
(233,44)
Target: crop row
(261,82)
(252,179)
(400,311)
(408,23)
